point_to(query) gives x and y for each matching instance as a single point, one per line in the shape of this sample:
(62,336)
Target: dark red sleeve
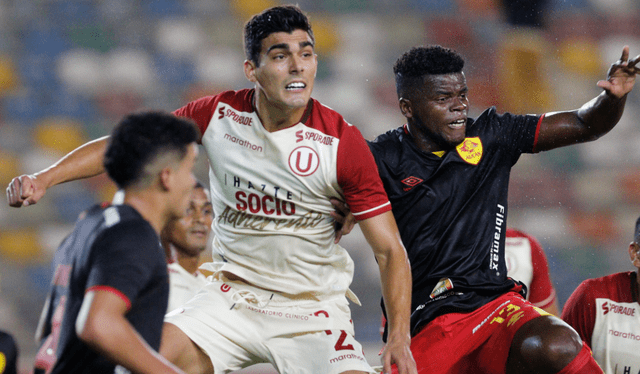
(200,111)
(580,311)
(542,293)
(358,176)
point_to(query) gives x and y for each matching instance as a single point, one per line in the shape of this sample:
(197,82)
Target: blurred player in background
(606,314)
(184,240)
(104,312)
(447,178)
(527,263)
(8,354)
(280,288)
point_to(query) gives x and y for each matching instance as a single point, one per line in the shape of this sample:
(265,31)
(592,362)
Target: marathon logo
(234,116)
(470,150)
(618,309)
(624,335)
(243,143)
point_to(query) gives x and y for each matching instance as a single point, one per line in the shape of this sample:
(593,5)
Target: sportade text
(309,135)
(234,116)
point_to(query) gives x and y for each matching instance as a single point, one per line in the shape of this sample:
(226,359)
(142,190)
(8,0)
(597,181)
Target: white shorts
(238,325)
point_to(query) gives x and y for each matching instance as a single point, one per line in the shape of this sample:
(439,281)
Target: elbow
(91,330)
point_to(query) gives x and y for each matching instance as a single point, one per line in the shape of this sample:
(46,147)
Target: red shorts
(475,342)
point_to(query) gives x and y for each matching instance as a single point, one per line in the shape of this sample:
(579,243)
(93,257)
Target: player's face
(184,181)
(287,69)
(438,113)
(189,234)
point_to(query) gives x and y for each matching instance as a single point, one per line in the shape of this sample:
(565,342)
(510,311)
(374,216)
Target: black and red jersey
(451,210)
(113,249)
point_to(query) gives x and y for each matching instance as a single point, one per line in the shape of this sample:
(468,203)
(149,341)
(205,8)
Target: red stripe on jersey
(357,172)
(535,139)
(113,291)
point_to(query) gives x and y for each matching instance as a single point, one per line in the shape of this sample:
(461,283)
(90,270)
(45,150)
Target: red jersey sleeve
(358,176)
(580,311)
(542,293)
(200,111)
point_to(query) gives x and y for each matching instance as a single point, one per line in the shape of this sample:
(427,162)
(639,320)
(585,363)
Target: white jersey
(607,317)
(527,263)
(270,193)
(182,285)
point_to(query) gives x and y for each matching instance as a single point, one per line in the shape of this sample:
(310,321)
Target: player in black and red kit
(447,177)
(109,292)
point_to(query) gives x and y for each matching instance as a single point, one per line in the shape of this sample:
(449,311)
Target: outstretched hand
(622,75)
(25,190)
(345,221)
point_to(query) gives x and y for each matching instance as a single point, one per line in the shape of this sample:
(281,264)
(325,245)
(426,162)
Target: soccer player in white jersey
(606,313)
(280,285)
(527,263)
(184,240)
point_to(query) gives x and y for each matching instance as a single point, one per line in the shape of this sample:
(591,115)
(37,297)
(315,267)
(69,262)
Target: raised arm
(382,235)
(596,117)
(83,162)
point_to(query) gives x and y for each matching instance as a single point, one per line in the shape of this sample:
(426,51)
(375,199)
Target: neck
(151,207)
(422,142)
(275,117)
(188,262)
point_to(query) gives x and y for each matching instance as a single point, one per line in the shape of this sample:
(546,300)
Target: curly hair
(286,18)
(417,62)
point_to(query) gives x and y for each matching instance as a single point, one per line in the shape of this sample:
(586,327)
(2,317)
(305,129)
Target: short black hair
(285,18)
(416,63)
(140,138)
(636,233)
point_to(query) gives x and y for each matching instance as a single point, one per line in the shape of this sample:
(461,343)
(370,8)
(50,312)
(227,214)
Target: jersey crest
(470,150)
(304,161)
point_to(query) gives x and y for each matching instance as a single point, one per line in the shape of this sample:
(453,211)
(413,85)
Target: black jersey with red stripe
(113,249)
(451,210)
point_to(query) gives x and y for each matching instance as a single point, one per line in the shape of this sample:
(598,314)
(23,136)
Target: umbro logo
(411,182)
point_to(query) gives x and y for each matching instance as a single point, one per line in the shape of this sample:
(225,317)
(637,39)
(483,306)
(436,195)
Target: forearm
(601,114)
(395,277)
(83,162)
(119,342)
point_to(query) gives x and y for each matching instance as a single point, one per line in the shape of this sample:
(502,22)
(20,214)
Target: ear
(405,107)
(634,254)
(250,70)
(165,179)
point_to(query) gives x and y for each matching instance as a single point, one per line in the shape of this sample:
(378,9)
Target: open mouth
(458,124)
(295,86)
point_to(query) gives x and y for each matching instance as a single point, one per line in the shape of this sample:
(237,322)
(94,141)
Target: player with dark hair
(184,240)
(527,263)
(605,312)
(280,288)
(108,298)
(447,178)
